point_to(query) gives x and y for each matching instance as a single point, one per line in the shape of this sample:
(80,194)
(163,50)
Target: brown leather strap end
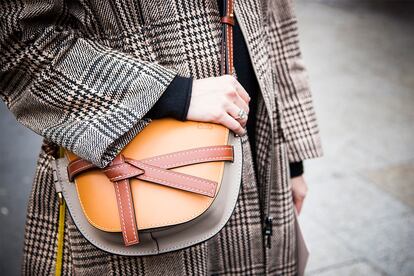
(126,212)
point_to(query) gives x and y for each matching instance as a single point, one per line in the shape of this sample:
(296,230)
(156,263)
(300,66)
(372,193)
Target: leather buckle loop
(228,20)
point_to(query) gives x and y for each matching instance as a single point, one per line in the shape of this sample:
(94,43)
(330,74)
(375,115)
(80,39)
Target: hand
(299,191)
(219,100)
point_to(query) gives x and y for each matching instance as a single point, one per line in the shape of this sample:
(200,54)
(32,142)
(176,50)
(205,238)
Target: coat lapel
(252,23)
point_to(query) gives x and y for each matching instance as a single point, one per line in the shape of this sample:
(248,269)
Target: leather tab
(228,20)
(78,166)
(126,212)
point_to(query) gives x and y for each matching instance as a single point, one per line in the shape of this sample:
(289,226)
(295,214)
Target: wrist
(174,102)
(296,169)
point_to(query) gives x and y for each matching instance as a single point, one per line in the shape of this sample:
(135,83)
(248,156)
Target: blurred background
(358,218)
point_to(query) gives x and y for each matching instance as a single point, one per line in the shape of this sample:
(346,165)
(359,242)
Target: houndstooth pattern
(85,79)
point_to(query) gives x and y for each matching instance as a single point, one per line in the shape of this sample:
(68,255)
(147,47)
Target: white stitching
(81,168)
(201,159)
(231,49)
(120,177)
(115,167)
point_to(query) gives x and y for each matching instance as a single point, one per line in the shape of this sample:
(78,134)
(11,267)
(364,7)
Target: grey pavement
(359,216)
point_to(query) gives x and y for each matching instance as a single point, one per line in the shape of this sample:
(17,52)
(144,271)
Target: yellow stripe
(61,229)
(61,152)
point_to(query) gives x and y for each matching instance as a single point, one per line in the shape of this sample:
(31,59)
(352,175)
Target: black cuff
(296,169)
(175,100)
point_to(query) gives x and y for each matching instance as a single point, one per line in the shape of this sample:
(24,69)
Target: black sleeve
(296,169)
(175,100)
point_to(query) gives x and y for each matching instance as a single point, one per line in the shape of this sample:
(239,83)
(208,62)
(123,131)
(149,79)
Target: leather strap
(227,66)
(156,170)
(126,212)
(125,206)
(166,161)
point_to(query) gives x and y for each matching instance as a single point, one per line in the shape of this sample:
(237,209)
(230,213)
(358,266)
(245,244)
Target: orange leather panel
(155,205)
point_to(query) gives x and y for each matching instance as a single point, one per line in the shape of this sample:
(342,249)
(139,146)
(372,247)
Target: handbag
(174,185)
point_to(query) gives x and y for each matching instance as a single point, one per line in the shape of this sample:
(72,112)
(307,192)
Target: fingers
(298,201)
(239,89)
(219,100)
(232,124)
(241,104)
(242,92)
(239,99)
(235,99)
(299,192)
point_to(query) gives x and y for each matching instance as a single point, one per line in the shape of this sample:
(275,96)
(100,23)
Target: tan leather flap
(155,205)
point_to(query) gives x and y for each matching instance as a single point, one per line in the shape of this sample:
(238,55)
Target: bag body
(167,218)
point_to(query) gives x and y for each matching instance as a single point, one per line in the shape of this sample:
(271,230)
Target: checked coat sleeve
(299,122)
(67,86)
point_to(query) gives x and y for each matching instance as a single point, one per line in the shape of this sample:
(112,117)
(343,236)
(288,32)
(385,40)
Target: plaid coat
(83,73)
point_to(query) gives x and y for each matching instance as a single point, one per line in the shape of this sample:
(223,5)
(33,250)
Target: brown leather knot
(120,170)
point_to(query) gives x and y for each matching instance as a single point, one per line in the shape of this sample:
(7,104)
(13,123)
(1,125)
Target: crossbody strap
(227,66)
